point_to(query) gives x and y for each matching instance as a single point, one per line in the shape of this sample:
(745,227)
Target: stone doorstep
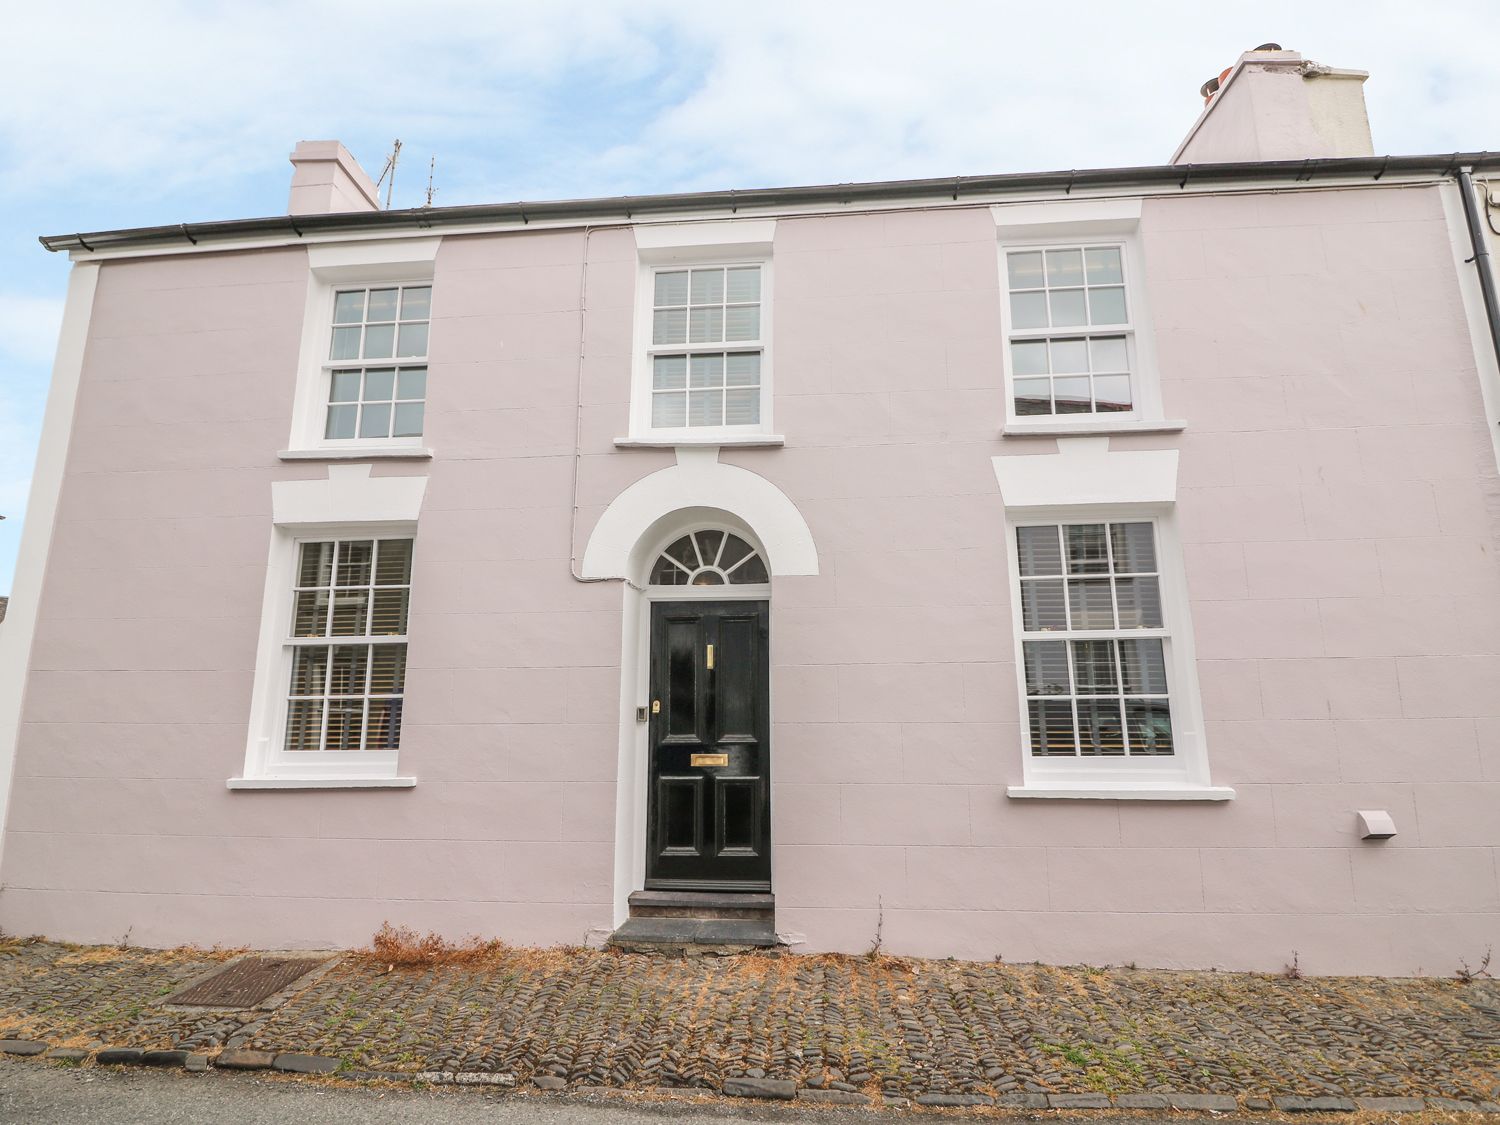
(702,904)
(729,935)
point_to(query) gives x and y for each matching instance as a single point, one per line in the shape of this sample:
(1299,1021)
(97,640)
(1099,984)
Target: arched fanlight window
(709,558)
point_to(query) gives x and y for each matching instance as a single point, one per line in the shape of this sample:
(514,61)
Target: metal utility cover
(245,983)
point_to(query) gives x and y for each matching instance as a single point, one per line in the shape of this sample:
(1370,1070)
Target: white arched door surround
(620,544)
(643,521)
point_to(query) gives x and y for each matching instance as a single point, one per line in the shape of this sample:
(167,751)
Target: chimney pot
(1211,87)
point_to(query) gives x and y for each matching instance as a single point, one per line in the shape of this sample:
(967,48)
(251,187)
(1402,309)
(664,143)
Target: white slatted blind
(1093,637)
(347,648)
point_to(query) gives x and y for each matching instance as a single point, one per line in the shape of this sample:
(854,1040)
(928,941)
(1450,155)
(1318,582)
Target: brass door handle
(710,657)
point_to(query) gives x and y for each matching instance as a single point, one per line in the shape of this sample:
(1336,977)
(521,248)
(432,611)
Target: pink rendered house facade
(1091,566)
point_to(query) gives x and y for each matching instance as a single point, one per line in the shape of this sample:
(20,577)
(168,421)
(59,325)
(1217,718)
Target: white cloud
(510,93)
(172,93)
(881,90)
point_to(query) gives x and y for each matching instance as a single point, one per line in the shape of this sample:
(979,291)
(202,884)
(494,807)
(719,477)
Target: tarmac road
(42,1094)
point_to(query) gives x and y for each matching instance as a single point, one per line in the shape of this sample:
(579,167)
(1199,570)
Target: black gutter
(1481,258)
(833,195)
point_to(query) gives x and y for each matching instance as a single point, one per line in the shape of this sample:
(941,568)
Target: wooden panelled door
(708,802)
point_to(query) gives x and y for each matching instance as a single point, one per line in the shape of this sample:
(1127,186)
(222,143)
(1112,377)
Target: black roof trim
(631,206)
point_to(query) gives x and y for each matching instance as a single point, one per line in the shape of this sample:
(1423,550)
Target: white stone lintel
(1085,472)
(349,494)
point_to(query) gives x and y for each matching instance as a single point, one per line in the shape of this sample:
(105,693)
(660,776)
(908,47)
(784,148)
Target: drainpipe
(1481,258)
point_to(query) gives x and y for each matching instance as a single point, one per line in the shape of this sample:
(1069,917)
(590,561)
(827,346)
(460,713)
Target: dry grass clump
(890,962)
(136,955)
(403,947)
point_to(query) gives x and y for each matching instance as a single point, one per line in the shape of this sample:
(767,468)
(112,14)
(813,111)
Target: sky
(121,115)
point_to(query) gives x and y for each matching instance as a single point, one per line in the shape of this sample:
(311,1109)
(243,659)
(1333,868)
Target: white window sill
(751,441)
(321,782)
(1055,428)
(1123,791)
(360,453)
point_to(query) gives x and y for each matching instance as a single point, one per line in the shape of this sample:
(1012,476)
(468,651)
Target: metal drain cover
(245,983)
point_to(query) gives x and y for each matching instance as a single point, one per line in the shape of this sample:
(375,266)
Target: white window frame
(362,365)
(1084,223)
(695,246)
(1127,329)
(1184,775)
(334,268)
(728,590)
(267,764)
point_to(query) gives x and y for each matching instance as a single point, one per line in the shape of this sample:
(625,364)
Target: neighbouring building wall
(1337,501)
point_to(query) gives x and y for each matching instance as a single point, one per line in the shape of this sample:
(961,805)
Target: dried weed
(401,947)
(1469,975)
(135,955)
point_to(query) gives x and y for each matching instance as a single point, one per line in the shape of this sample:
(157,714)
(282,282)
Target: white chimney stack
(1276,105)
(327,178)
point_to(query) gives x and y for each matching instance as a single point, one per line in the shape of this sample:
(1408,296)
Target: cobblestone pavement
(901,1027)
(96,995)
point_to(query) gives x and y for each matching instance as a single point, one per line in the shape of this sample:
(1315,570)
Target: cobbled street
(107,1096)
(881,1026)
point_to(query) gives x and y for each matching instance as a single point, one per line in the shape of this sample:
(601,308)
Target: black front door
(708,805)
